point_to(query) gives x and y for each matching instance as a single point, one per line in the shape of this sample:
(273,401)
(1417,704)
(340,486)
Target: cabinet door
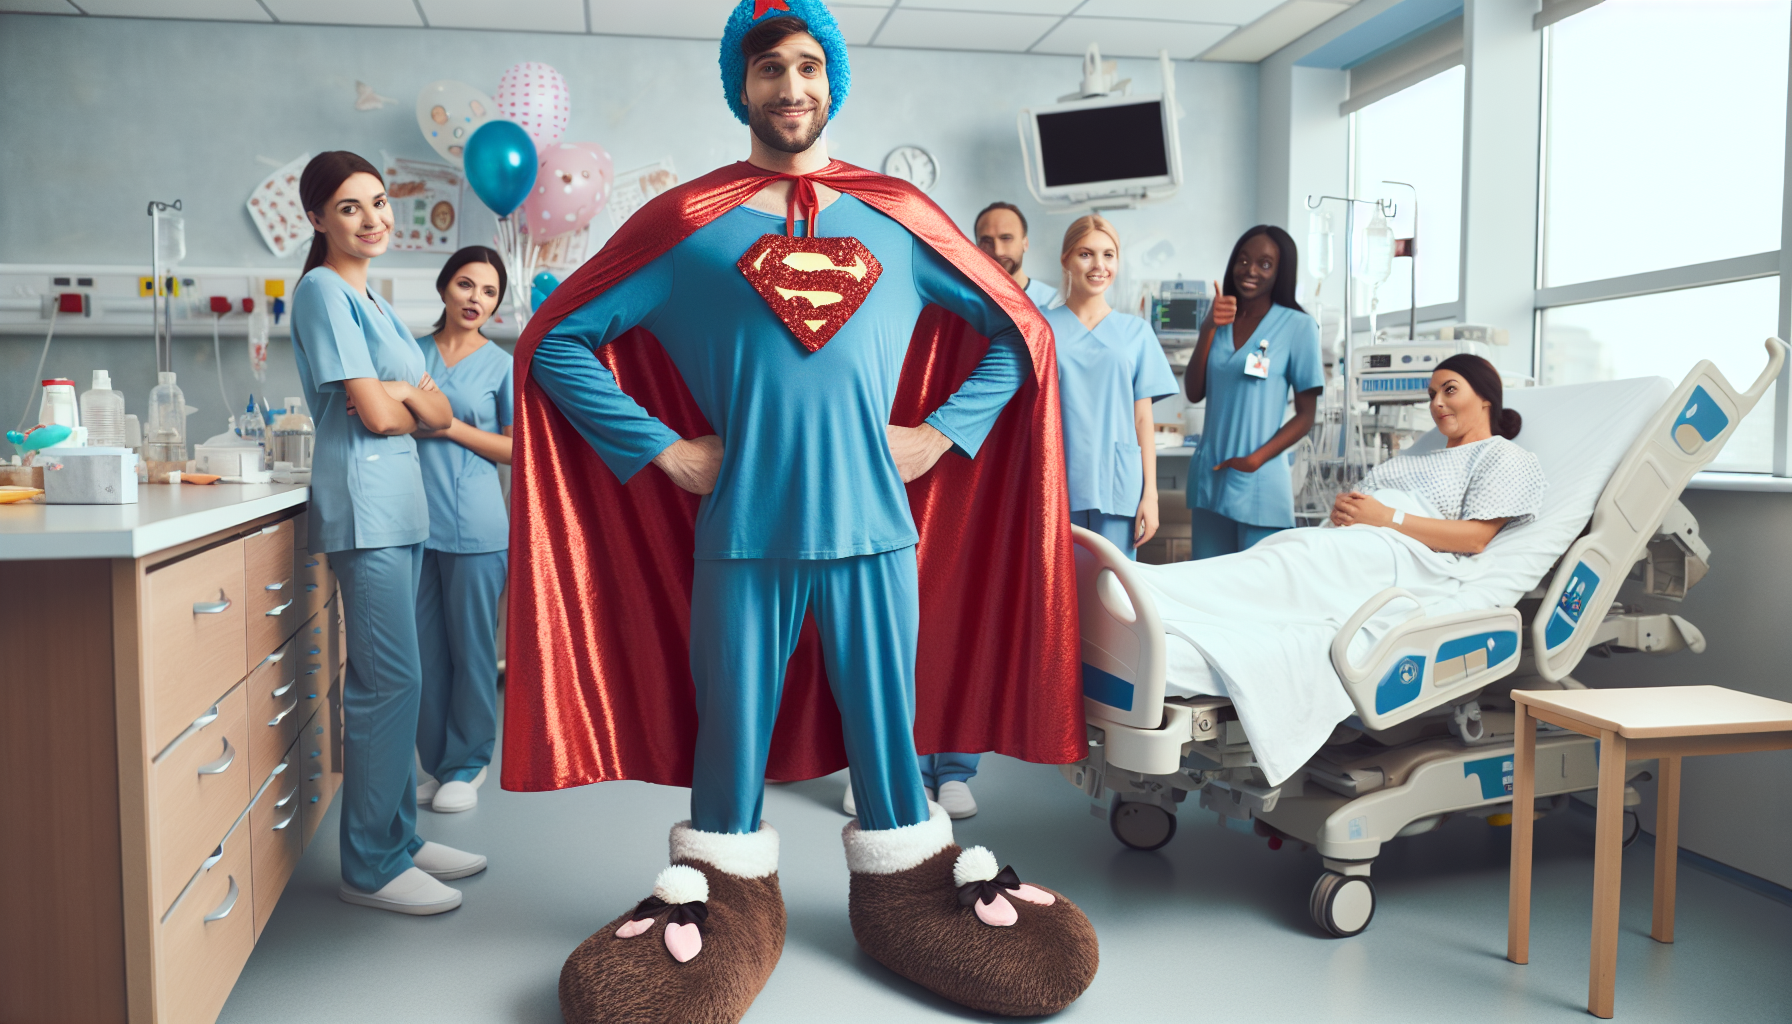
(197,789)
(205,940)
(319,775)
(194,639)
(274,825)
(276,709)
(276,606)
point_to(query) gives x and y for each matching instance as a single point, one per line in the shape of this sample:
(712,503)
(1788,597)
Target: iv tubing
(38,376)
(218,354)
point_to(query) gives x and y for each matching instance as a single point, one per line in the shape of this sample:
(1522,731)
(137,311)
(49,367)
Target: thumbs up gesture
(1225,307)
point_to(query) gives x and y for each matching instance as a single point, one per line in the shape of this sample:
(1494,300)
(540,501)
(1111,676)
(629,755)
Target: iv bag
(171,238)
(1319,244)
(1378,249)
(258,343)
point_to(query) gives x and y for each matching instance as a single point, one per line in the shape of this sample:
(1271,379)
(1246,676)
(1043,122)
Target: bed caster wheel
(1342,905)
(1141,826)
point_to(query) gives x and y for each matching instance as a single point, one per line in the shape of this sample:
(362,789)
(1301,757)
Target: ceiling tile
(198,10)
(1059,7)
(511,16)
(1219,12)
(346,12)
(1274,30)
(686,19)
(1127,37)
(857,24)
(38,6)
(961,30)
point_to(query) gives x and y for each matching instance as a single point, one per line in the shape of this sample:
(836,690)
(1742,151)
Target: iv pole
(159,290)
(1388,209)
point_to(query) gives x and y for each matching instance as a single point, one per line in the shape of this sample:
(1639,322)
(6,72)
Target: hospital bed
(1432,733)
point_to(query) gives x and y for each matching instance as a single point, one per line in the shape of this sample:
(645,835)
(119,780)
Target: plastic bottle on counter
(165,446)
(102,410)
(294,435)
(251,428)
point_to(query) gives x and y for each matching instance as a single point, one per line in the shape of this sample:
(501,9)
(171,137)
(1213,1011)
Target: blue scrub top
(1042,294)
(366,488)
(1101,373)
(1244,412)
(467,514)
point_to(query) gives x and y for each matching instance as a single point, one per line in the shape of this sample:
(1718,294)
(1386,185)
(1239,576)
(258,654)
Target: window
(1415,136)
(1666,136)
(1664,335)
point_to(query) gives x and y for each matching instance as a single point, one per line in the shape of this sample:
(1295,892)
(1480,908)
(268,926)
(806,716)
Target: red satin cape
(598,667)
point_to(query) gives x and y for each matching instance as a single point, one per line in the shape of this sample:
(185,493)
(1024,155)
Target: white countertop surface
(163,516)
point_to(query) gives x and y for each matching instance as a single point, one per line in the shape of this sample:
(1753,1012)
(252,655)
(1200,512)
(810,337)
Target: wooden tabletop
(1646,712)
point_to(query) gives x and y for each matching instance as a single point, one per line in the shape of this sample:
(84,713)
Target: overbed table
(1665,722)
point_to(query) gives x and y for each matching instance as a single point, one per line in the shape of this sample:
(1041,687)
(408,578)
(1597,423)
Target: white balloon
(448,113)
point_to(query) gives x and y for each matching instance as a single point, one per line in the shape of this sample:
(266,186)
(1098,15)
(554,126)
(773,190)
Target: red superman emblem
(814,285)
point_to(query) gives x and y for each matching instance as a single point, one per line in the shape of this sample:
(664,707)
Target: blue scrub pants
(1213,535)
(457,636)
(745,617)
(939,769)
(380,694)
(1116,529)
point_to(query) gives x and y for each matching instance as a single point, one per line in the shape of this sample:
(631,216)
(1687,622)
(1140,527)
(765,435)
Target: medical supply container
(165,447)
(294,435)
(89,476)
(102,410)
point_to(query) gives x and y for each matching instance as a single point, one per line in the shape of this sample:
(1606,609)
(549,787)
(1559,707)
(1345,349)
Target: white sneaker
(852,810)
(447,863)
(454,797)
(426,792)
(956,798)
(413,892)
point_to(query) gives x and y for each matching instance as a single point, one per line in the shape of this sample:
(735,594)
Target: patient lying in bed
(1257,626)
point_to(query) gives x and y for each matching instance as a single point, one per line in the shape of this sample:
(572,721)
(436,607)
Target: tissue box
(89,476)
(234,460)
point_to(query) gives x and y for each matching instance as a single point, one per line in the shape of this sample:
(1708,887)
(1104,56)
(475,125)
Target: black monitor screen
(1077,147)
(1181,314)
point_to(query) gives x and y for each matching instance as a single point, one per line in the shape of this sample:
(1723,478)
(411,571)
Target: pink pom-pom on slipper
(684,941)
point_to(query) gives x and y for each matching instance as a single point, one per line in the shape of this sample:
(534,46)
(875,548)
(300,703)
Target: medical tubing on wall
(218,355)
(33,384)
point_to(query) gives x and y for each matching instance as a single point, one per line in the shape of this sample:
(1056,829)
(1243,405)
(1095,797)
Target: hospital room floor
(1213,927)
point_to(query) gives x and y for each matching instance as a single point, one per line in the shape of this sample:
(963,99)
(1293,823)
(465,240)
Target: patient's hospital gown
(1257,626)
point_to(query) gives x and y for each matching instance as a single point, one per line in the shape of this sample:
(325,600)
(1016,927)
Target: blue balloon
(500,165)
(540,287)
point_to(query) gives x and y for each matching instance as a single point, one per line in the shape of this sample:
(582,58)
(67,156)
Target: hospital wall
(100,115)
(1737,808)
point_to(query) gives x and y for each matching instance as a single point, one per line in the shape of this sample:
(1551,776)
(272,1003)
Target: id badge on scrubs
(1257,363)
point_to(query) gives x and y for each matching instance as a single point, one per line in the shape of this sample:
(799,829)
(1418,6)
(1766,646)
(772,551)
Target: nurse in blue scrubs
(1257,347)
(363,375)
(465,557)
(1110,369)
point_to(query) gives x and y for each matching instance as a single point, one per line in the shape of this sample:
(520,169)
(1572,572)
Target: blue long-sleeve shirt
(806,466)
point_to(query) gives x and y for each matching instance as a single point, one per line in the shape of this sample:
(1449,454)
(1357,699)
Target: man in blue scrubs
(1001,231)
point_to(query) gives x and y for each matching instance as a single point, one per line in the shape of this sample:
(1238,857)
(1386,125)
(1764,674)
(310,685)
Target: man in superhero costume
(773,360)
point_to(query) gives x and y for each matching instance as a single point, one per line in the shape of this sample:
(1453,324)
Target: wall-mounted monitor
(1106,148)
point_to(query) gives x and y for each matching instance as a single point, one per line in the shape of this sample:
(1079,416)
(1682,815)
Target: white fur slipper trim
(889,850)
(743,855)
(976,864)
(682,883)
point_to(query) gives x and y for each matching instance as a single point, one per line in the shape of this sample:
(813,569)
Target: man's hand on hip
(693,465)
(916,449)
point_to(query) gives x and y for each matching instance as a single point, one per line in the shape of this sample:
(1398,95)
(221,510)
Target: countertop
(163,516)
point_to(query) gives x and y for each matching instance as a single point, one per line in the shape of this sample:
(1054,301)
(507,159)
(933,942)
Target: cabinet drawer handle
(276,586)
(275,658)
(314,777)
(282,801)
(222,764)
(309,587)
(311,564)
(288,710)
(227,906)
(210,607)
(289,817)
(282,608)
(281,692)
(271,529)
(313,670)
(313,651)
(217,855)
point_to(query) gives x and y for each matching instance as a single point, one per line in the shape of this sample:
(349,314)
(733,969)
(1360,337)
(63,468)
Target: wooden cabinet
(175,742)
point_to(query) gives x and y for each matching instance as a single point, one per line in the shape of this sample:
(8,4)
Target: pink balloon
(535,96)
(571,186)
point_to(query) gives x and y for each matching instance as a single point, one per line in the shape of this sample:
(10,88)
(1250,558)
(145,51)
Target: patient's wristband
(1399,517)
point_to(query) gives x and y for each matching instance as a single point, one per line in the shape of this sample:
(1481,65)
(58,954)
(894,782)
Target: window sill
(1712,481)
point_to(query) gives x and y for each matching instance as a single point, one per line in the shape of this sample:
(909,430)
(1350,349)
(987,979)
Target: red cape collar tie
(814,285)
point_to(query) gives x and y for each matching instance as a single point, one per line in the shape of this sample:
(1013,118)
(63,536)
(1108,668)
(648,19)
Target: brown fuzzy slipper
(698,950)
(946,919)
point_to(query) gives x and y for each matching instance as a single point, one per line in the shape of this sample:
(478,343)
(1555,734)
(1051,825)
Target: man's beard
(1008,264)
(766,130)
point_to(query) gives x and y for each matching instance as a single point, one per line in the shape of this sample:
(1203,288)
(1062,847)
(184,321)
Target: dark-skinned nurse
(364,375)
(1257,347)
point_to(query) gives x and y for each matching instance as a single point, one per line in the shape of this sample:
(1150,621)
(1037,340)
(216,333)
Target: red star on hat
(760,7)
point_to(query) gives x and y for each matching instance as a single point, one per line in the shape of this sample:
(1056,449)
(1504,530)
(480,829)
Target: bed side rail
(1426,661)
(1681,439)
(1122,639)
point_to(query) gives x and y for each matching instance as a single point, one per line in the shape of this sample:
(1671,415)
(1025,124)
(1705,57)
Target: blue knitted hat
(821,25)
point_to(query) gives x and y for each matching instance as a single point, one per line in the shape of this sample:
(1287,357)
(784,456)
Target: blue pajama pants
(939,769)
(1213,535)
(457,637)
(380,694)
(1117,530)
(745,617)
